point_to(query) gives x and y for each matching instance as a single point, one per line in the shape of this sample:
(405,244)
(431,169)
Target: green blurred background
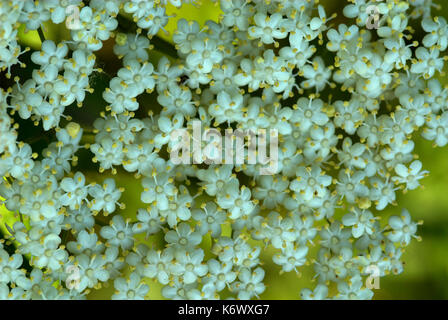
(425,273)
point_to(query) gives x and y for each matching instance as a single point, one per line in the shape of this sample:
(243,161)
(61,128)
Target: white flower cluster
(276,64)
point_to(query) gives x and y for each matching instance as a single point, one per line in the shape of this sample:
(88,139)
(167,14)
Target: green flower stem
(101,223)
(64,237)
(161,45)
(41,34)
(164,46)
(88,138)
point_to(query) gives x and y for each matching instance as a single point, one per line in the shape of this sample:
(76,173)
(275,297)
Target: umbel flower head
(346,99)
